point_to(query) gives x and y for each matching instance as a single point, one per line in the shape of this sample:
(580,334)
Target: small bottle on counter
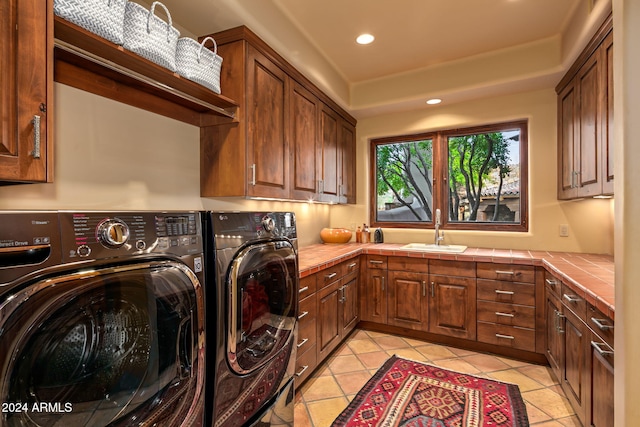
(365,234)
(358,235)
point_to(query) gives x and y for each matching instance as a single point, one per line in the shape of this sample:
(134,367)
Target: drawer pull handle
(499,292)
(572,298)
(600,323)
(504,314)
(303,342)
(375,261)
(559,317)
(36,137)
(301,315)
(510,273)
(304,368)
(331,276)
(301,290)
(253,174)
(509,337)
(598,348)
(551,282)
(353,264)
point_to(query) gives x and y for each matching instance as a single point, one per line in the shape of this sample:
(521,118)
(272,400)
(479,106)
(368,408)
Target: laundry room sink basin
(425,247)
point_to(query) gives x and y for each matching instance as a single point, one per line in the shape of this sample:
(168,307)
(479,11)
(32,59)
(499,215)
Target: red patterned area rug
(413,394)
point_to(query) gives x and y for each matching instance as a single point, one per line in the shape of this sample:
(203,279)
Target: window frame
(440,177)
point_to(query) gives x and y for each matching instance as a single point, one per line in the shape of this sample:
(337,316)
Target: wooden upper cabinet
(26,143)
(606,58)
(347,151)
(585,121)
(267,120)
(305,150)
(289,137)
(329,177)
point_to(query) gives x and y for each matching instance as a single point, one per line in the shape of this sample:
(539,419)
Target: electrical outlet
(564,230)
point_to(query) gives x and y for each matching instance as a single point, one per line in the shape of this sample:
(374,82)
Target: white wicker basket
(104,18)
(149,36)
(199,64)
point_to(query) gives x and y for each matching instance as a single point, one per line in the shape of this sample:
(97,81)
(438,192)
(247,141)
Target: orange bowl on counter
(335,235)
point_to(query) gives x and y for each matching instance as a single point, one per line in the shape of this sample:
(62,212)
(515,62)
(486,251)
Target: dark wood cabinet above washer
(291,141)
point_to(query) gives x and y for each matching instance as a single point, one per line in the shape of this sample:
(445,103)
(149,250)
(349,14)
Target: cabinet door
(267,145)
(555,332)
(606,59)
(349,305)
(575,373)
(329,329)
(452,306)
(329,181)
(600,413)
(567,140)
(588,152)
(347,142)
(408,302)
(25,149)
(305,150)
(373,302)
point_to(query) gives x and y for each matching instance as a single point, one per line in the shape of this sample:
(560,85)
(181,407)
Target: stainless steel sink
(425,247)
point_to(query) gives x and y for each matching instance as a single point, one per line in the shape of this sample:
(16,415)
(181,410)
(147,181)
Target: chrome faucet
(439,236)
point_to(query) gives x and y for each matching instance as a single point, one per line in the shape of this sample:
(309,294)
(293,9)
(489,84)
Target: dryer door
(112,346)
(262,282)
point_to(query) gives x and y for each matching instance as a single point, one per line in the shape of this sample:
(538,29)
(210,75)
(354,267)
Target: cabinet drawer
(307,310)
(306,335)
(351,268)
(452,268)
(328,276)
(376,261)
(307,286)
(507,336)
(398,263)
(602,325)
(574,302)
(305,364)
(509,292)
(552,283)
(507,314)
(508,272)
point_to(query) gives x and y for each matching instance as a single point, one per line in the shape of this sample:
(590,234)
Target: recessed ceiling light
(434,101)
(365,39)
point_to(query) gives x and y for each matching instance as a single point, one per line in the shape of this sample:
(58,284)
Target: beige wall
(626,24)
(109,156)
(590,221)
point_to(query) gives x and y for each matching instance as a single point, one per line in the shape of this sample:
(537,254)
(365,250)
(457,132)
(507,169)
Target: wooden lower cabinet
(408,304)
(328,312)
(373,290)
(452,298)
(575,372)
(306,359)
(600,413)
(555,338)
(329,328)
(579,349)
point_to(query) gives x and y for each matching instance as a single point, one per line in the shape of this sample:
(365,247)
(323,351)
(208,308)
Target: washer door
(262,284)
(116,346)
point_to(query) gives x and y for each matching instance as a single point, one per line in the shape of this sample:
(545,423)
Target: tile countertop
(590,275)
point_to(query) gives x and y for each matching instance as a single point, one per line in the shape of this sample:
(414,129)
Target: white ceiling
(410,34)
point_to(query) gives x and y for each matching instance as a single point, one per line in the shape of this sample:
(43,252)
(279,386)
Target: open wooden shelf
(86,61)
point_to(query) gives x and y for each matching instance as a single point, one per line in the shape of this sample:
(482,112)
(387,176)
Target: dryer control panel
(100,235)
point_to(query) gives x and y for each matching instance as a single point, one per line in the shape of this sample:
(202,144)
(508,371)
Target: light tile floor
(332,386)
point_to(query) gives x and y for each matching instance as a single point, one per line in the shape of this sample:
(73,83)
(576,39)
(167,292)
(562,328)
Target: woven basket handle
(215,48)
(152,12)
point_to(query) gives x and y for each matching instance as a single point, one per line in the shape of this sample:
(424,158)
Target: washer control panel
(99,235)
